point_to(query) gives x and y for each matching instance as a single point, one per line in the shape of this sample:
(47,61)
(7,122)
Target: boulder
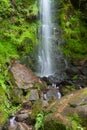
(74,103)
(23,115)
(45,104)
(16,95)
(34,95)
(23,77)
(82,111)
(20,126)
(14,124)
(52,93)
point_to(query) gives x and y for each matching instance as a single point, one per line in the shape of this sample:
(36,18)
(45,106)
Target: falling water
(44,58)
(50,59)
(12,121)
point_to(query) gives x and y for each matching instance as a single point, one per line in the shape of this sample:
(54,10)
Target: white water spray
(12,121)
(50,58)
(44,58)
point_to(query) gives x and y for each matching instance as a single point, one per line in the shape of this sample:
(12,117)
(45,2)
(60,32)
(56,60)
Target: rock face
(24,78)
(34,95)
(52,94)
(20,126)
(71,104)
(26,84)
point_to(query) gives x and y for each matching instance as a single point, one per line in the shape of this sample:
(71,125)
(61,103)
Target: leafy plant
(74,29)
(70,87)
(55,125)
(76,122)
(36,109)
(39,121)
(75,77)
(18,36)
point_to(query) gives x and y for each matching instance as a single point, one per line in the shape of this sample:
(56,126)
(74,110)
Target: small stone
(34,95)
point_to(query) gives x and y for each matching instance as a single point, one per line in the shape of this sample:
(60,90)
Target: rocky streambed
(35,95)
(59,110)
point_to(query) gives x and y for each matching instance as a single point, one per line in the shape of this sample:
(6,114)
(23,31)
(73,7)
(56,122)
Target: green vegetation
(6,106)
(36,109)
(42,124)
(55,125)
(39,121)
(18,36)
(76,122)
(75,31)
(18,33)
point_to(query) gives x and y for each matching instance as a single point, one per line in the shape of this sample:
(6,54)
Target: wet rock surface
(20,126)
(21,120)
(74,102)
(33,95)
(26,84)
(23,77)
(71,104)
(60,109)
(75,76)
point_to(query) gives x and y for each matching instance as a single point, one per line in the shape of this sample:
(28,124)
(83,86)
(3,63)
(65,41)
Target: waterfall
(50,59)
(44,57)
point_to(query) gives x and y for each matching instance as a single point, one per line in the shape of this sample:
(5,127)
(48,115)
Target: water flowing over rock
(44,58)
(20,126)
(23,77)
(53,93)
(50,58)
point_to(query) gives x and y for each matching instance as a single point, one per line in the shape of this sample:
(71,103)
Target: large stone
(71,104)
(82,111)
(45,103)
(16,95)
(52,94)
(34,95)
(20,126)
(23,115)
(23,77)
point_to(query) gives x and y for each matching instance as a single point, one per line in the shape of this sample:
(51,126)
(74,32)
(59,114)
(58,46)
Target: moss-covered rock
(75,103)
(23,77)
(26,85)
(54,125)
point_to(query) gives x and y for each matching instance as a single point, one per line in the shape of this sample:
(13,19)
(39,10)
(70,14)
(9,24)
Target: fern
(74,32)
(39,121)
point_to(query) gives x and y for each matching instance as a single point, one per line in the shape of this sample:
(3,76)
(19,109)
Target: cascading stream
(50,59)
(44,58)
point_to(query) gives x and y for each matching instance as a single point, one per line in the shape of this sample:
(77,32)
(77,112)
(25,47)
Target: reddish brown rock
(23,77)
(33,95)
(23,115)
(75,103)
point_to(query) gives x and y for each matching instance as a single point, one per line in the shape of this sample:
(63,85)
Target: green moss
(76,122)
(3,106)
(37,106)
(75,77)
(40,86)
(18,29)
(74,31)
(18,36)
(3,118)
(84,92)
(54,125)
